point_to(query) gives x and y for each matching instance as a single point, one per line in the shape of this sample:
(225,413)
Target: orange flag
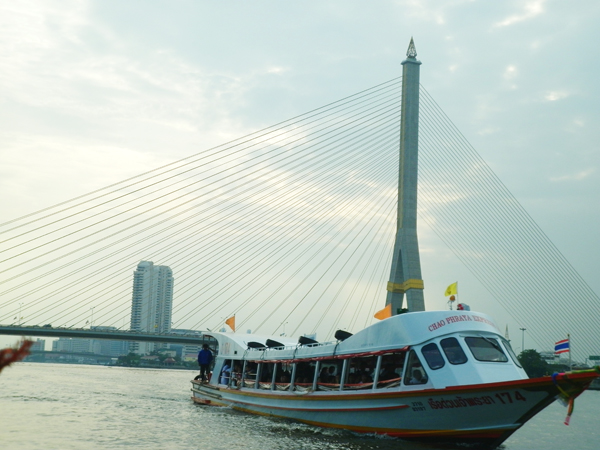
(231,322)
(384,313)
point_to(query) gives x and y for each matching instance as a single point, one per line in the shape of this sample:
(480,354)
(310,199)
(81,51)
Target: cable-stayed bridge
(117,335)
(291,229)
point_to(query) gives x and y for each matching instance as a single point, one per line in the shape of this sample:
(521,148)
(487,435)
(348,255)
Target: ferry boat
(419,375)
(444,376)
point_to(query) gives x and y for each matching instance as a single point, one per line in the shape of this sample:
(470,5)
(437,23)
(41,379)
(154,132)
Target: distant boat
(595,385)
(436,375)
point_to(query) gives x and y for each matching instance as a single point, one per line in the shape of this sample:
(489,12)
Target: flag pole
(570,350)
(452,291)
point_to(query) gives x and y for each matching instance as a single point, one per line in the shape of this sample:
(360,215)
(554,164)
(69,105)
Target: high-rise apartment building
(104,347)
(39,345)
(76,345)
(109,347)
(152,303)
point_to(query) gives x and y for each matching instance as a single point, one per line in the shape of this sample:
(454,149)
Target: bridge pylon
(405,277)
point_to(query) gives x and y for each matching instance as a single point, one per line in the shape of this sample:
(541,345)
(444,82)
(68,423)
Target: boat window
(305,372)
(329,376)
(236,373)
(390,372)
(432,355)
(266,375)
(250,374)
(453,351)
(284,372)
(225,372)
(511,352)
(415,373)
(486,349)
(360,372)
(283,376)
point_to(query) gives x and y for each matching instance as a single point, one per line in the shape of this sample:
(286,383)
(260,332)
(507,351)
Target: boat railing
(357,386)
(248,383)
(328,387)
(347,387)
(389,383)
(305,387)
(354,387)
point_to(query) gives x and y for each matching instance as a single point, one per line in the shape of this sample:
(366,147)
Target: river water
(56,406)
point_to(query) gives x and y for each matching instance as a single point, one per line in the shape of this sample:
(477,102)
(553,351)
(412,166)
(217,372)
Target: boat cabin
(420,350)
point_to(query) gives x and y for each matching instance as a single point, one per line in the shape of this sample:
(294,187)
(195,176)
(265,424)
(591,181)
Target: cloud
(552,96)
(510,72)
(427,11)
(532,9)
(277,70)
(432,10)
(575,176)
(488,130)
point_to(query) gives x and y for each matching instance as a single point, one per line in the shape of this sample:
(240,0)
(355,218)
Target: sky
(93,92)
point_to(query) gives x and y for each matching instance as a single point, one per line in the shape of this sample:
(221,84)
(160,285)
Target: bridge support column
(405,276)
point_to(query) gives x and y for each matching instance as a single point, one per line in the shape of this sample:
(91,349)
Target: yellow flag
(231,322)
(452,289)
(384,313)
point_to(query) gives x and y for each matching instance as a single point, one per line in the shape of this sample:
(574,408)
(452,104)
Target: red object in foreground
(11,355)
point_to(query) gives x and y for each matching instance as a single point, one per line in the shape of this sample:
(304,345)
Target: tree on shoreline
(129,360)
(533,363)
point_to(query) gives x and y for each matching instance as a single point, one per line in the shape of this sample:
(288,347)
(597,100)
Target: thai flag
(561,346)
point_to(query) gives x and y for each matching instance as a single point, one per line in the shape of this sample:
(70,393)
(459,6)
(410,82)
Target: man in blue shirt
(204,359)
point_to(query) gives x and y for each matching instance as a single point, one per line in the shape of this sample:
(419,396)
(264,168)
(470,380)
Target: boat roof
(393,333)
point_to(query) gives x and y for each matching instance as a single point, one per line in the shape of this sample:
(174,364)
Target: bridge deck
(101,334)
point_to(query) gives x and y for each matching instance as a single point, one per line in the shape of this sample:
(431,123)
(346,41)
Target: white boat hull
(486,414)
